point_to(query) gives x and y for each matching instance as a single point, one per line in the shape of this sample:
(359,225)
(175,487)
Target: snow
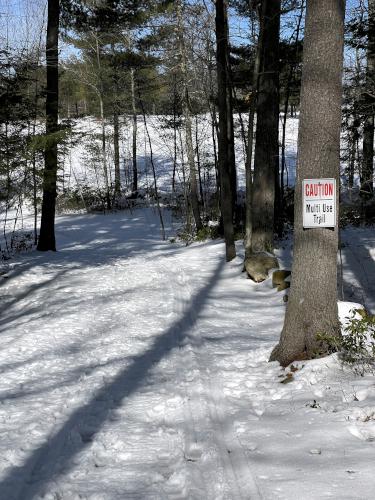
(358,260)
(133,368)
(80,169)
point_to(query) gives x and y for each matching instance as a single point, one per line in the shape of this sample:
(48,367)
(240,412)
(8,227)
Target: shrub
(356,345)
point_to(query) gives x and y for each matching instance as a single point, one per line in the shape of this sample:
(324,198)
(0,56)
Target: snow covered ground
(82,163)
(133,368)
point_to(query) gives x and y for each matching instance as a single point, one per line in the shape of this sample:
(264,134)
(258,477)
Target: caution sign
(319,202)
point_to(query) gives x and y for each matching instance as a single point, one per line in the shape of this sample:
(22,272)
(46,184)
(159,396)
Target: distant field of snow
(81,162)
(80,166)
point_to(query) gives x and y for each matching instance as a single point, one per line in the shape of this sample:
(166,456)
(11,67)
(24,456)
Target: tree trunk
(291,72)
(231,152)
(116,131)
(249,156)
(312,306)
(266,161)
(162,228)
(116,148)
(199,169)
(367,177)
(104,154)
(174,134)
(188,127)
(226,153)
(353,134)
(47,228)
(134,156)
(191,160)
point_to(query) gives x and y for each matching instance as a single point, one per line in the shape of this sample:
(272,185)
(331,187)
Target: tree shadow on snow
(94,240)
(55,457)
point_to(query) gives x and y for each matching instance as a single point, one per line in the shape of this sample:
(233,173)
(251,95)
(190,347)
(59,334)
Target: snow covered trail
(138,369)
(102,391)
(358,255)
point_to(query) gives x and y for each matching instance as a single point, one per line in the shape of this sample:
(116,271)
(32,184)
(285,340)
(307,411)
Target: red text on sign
(319,189)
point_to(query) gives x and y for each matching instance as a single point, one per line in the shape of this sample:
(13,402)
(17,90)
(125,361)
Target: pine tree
(47,227)
(266,160)
(368,106)
(312,305)
(226,150)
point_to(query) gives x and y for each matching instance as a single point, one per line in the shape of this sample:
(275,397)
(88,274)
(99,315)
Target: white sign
(319,202)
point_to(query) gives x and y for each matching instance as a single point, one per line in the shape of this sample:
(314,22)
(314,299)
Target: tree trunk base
(285,360)
(230,252)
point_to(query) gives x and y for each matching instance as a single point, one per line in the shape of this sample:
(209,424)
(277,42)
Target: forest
(187,272)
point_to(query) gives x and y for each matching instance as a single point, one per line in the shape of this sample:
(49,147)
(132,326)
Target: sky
(23,23)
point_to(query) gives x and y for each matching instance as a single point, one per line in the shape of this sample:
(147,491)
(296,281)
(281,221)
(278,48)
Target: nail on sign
(319,202)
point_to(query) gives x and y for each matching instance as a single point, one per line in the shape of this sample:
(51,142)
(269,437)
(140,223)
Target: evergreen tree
(312,305)
(266,160)
(368,107)
(226,139)
(47,227)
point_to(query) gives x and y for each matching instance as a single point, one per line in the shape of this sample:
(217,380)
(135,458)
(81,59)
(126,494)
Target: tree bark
(104,154)
(162,228)
(291,72)
(266,161)
(47,239)
(367,177)
(226,152)
(134,144)
(116,131)
(249,156)
(174,134)
(199,170)
(188,126)
(102,120)
(191,160)
(116,147)
(312,305)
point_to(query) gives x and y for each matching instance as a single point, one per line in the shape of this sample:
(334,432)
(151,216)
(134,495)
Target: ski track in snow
(137,369)
(239,480)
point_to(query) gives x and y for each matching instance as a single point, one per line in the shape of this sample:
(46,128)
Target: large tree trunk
(226,152)
(312,306)
(367,177)
(47,228)
(249,156)
(266,160)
